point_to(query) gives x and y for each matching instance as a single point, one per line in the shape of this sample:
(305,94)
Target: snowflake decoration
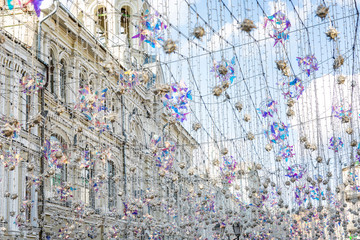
(286,152)
(177,100)
(315,192)
(296,171)
(10,158)
(281,26)
(64,191)
(151,29)
(85,158)
(292,89)
(300,195)
(228,168)
(97,184)
(30,84)
(224,70)
(163,152)
(129,79)
(91,102)
(267,108)
(277,132)
(341,111)
(335,144)
(53,153)
(308,64)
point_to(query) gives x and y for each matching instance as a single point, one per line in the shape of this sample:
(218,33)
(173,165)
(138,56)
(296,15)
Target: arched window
(88,173)
(82,81)
(101,24)
(52,72)
(28,109)
(59,164)
(63,80)
(125,21)
(111,185)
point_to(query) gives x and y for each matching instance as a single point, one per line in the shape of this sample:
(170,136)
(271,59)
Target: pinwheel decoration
(281,26)
(308,64)
(177,100)
(151,29)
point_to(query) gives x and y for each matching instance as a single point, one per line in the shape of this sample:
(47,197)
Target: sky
(257,79)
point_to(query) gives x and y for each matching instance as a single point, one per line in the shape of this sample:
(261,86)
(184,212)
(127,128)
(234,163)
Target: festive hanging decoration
(308,64)
(224,70)
(227,168)
(247,25)
(277,132)
(286,152)
(11,128)
(280,25)
(199,32)
(267,108)
(332,33)
(300,194)
(31,84)
(322,11)
(169,46)
(163,152)
(335,144)
(10,158)
(177,100)
(91,103)
(296,171)
(64,191)
(151,29)
(342,111)
(54,153)
(283,67)
(292,89)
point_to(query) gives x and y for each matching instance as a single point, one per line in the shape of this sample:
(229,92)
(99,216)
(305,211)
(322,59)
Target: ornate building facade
(101,172)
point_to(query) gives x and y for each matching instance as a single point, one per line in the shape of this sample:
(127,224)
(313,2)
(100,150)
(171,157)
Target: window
(101,24)
(27,109)
(58,145)
(111,185)
(82,81)
(28,197)
(8,92)
(89,196)
(52,73)
(63,80)
(87,175)
(125,21)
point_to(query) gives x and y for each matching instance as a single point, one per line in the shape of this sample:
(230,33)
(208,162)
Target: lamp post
(237,230)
